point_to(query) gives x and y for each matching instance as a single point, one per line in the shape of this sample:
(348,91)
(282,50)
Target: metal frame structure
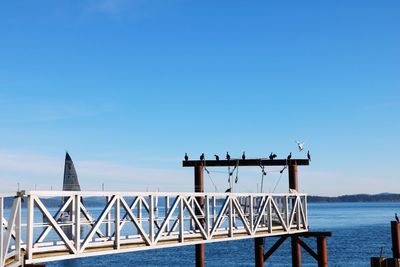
(132,221)
(291,164)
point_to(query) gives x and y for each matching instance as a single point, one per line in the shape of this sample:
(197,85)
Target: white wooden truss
(99,223)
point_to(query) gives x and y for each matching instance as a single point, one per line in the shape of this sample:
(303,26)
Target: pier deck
(99,223)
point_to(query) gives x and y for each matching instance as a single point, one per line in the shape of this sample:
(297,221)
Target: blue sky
(128,86)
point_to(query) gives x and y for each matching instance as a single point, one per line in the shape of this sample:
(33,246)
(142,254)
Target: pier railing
(40,226)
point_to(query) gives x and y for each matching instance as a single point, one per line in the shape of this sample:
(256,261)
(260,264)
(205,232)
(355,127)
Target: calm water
(359,231)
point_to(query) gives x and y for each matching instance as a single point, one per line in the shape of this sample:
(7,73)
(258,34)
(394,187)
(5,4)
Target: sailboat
(70,183)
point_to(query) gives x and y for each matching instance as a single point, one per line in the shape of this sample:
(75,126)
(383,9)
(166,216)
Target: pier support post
(395,229)
(199,187)
(322,252)
(296,252)
(259,251)
(293,184)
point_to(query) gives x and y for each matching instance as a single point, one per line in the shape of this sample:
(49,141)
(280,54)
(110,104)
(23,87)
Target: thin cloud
(44,171)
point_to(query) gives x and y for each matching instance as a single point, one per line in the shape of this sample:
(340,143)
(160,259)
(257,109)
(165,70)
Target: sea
(359,231)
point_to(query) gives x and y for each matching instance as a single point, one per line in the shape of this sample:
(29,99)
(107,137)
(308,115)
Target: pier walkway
(35,228)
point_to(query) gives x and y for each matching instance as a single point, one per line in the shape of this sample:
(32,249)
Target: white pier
(37,228)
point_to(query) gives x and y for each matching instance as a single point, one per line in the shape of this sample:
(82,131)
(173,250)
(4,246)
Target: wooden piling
(395,229)
(293,184)
(199,187)
(259,251)
(322,252)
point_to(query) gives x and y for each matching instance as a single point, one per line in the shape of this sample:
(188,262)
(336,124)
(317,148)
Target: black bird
(216,157)
(243,156)
(397,218)
(263,170)
(228,190)
(186,157)
(228,157)
(202,156)
(272,156)
(289,157)
(281,171)
(308,155)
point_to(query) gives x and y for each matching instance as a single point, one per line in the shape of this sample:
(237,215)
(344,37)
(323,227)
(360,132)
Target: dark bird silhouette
(228,157)
(216,157)
(397,218)
(243,156)
(263,170)
(281,171)
(289,157)
(228,190)
(308,155)
(272,156)
(202,156)
(186,157)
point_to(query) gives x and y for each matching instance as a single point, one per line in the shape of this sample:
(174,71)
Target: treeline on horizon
(383,197)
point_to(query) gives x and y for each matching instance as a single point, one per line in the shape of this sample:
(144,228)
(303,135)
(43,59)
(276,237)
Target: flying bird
(228,157)
(228,190)
(243,156)
(186,157)
(216,157)
(272,156)
(300,145)
(308,155)
(202,156)
(289,157)
(397,218)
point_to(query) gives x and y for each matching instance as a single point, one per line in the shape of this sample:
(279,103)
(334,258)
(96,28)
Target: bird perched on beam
(272,156)
(289,157)
(397,218)
(202,157)
(243,156)
(186,157)
(228,157)
(308,155)
(216,157)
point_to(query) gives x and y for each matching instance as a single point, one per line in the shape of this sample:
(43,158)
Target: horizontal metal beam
(246,162)
(315,234)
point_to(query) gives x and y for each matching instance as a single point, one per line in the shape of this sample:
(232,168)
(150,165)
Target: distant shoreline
(383,197)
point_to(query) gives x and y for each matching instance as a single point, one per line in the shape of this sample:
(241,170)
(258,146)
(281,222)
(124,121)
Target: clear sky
(127,87)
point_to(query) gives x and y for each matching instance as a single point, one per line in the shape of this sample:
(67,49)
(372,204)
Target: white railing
(96,223)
